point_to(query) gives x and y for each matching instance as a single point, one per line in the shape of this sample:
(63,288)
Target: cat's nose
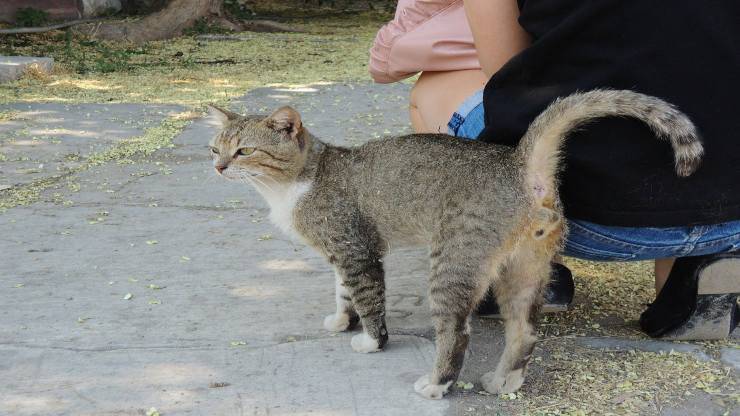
(220,168)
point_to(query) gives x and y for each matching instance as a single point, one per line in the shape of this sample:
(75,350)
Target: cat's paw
(337,322)
(365,343)
(431,391)
(497,384)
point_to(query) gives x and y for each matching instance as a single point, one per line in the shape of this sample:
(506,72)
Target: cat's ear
(286,120)
(220,115)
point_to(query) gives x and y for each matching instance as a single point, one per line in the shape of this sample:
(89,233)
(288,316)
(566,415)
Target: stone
(13,67)
(617,344)
(731,356)
(93,8)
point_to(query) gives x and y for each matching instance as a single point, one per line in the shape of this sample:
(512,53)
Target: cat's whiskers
(260,184)
(208,178)
(245,178)
(265,182)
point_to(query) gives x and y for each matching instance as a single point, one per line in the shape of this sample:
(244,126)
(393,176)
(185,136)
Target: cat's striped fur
(489,214)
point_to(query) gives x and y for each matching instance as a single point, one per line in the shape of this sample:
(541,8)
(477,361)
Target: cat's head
(258,148)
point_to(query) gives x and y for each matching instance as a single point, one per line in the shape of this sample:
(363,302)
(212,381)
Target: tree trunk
(164,24)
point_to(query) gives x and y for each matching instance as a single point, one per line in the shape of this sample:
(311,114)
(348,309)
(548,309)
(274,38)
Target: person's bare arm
(496,32)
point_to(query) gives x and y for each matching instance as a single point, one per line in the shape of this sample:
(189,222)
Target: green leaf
(464,385)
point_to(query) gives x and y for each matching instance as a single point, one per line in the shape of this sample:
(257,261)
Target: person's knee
(417,97)
(417,92)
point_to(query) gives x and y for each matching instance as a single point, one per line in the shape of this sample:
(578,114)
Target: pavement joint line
(146,205)
(208,347)
(613,344)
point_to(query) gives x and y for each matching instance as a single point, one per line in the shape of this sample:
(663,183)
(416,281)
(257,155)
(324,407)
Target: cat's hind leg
(519,295)
(345,318)
(455,287)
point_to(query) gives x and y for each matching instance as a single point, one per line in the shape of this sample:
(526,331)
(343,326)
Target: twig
(46,28)
(217,61)
(246,37)
(267,26)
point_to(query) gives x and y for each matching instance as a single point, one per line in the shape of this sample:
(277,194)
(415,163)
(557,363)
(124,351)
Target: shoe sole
(717,311)
(715,317)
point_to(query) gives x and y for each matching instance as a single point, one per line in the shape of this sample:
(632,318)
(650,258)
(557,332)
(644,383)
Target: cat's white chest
(282,204)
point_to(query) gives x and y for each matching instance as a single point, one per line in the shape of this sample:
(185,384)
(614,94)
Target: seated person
(489,67)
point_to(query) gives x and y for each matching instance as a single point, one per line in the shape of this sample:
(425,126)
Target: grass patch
(193,72)
(30,17)
(7,115)
(574,380)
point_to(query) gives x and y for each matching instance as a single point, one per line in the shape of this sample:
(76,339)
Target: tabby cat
(489,214)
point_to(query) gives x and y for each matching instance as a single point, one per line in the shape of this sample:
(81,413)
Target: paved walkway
(157,284)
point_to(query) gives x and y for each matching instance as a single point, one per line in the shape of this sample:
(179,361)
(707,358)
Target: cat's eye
(213,150)
(245,151)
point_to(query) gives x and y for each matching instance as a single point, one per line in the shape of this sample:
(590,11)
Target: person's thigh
(437,95)
(597,242)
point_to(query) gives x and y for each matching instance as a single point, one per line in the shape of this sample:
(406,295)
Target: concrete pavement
(156,284)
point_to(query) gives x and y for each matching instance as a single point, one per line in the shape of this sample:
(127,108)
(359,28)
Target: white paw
(365,343)
(496,384)
(431,391)
(336,322)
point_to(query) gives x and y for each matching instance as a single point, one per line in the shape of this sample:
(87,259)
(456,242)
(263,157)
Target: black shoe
(558,296)
(698,301)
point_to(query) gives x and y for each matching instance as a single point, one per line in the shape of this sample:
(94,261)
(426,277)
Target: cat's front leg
(364,279)
(345,318)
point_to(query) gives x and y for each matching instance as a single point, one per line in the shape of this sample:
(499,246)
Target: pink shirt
(425,35)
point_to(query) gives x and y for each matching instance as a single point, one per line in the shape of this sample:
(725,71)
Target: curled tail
(541,145)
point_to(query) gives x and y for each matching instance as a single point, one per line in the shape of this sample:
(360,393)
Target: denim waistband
(597,242)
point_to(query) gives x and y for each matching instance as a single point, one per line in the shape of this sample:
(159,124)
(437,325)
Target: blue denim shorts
(467,122)
(596,242)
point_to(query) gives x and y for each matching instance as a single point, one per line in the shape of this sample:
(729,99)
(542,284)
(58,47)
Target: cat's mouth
(237,175)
